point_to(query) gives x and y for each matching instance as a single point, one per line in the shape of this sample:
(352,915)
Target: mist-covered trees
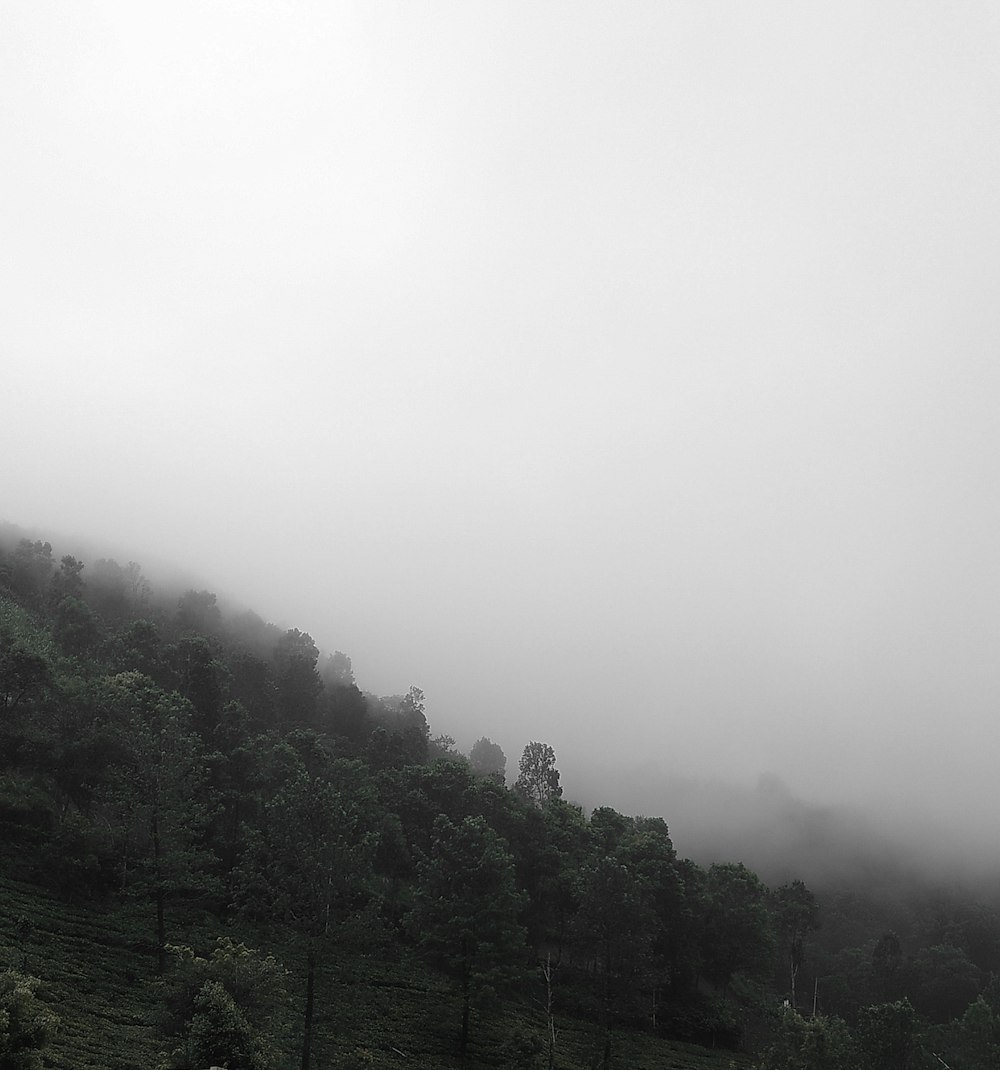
(465,910)
(155,793)
(488,759)
(218,1007)
(152,748)
(308,862)
(537,775)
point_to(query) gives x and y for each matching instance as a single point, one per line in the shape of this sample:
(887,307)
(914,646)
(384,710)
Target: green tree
(299,684)
(220,1007)
(979,1036)
(74,627)
(738,936)
(614,923)
(22,674)
(796,913)
(219,1033)
(538,778)
(68,581)
(307,866)
(887,957)
(465,912)
(810,1044)
(108,590)
(31,571)
(26,1023)
(886,1035)
(488,759)
(198,611)
(156,797)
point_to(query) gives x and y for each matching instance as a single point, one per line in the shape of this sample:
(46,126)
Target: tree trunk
(463,1044)
(308,1023)
(549,1017)
(161,927)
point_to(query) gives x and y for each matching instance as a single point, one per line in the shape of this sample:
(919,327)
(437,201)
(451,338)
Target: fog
(623,376)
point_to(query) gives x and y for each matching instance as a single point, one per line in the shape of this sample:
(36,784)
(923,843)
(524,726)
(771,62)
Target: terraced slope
(377,1010)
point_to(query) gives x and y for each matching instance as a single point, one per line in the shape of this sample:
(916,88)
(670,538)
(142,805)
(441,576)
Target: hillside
(172,777)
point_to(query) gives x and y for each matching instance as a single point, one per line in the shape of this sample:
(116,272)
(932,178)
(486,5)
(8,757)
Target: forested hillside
(218,849)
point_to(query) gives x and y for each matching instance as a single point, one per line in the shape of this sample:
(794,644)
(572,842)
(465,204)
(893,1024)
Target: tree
(809,1044)
(465,911)
(219,1033)
(220,1007)
(299,685)
(337,670)
(155,797)
(614,922)
(68,581)
(198,612)
(108,590)
(538,778)
(74,627)
(26,1024)
(796,912)
(22,673)
(31,571)
(887,957)
(738,936)
(307,866)
(488,759)
(886,1035)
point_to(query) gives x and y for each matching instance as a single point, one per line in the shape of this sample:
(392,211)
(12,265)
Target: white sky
(624,375)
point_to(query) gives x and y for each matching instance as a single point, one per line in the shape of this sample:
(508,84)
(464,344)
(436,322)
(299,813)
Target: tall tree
(299,684)
(538,778)
(796,913)
(68,581)
(198,611)
(156,798)
(465,911)
(31,570)
(738,934)
(309,862)
(488,759)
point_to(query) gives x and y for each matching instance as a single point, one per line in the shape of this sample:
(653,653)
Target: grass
(97,965)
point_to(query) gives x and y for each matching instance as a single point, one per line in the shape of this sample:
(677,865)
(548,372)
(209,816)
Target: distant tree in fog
(538,779)
(488,759)
(197,612)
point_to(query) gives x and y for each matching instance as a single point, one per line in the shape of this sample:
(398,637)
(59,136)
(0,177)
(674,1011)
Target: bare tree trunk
(463,1044)
(549,1017)
(308,1023)
(161,926)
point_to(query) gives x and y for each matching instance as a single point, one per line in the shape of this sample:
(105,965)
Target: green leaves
(26,1023)
(465,910)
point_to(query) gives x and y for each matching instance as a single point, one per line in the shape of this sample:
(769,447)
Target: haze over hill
(626,379)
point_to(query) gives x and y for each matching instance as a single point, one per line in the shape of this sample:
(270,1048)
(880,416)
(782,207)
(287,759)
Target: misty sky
(624,375)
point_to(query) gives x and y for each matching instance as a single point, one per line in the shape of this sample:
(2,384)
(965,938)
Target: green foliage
(31,571)
(26,1024)
(810,1044)
(198,611)
(254,983)
(488,759)
(306,865)
(886,1035)
(74,627)
(22,674)
(219,1033)
(738,933)
(537,777)
(465,910)
(979,1036)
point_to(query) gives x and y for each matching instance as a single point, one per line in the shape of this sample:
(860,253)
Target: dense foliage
(156,752)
